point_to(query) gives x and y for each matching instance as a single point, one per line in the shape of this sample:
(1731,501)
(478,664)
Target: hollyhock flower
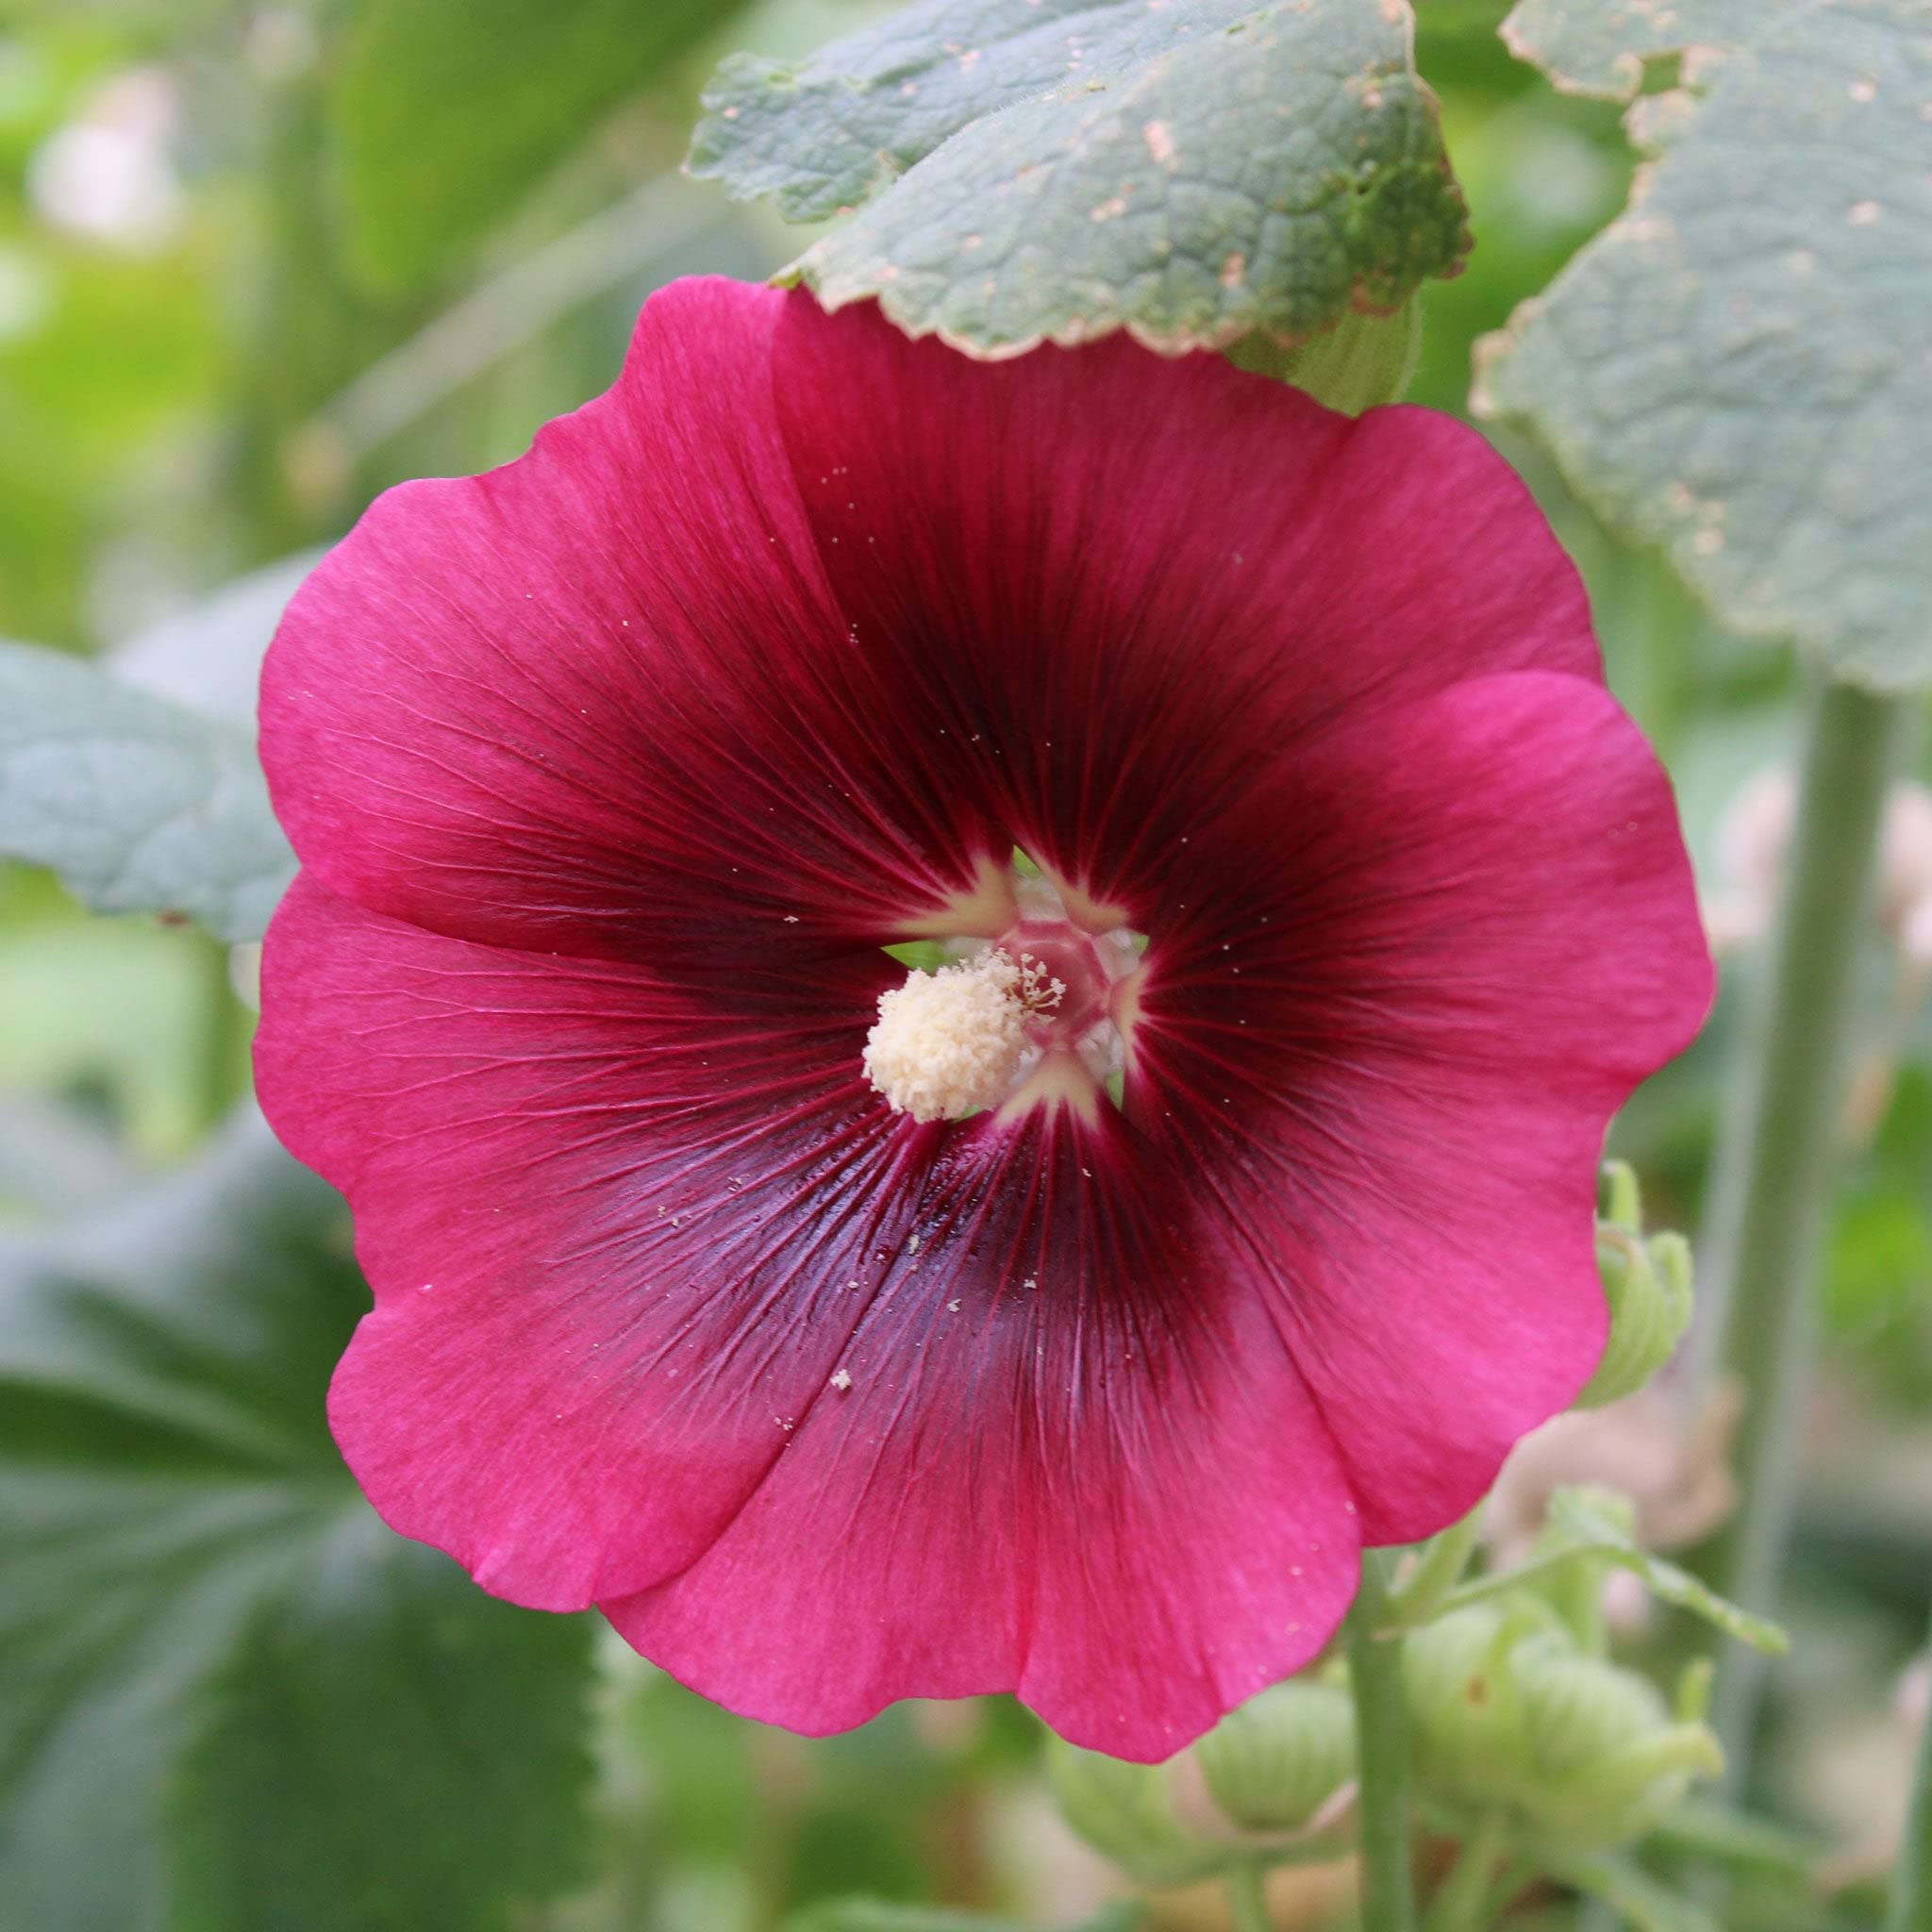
(1064,1323)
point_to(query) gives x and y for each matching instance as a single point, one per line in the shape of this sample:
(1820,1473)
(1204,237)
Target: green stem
(1381,1729)
(1911,1884)
(1500,1583)
(1420,1596)
(1247,1899)
(1777,1156)
(1459,1900)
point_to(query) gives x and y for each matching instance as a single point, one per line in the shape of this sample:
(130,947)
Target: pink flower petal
(608,1223)
(598,700)
(1130,582)
(1071,1462)
(1425,964)
(624,1240)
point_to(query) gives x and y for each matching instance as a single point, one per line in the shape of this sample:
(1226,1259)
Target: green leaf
(139,804)
(447,115)
(351,1768)
(1598,47)
(1205,174)
(209,656)
(229,1698)
(1739,367)
(1577,1516)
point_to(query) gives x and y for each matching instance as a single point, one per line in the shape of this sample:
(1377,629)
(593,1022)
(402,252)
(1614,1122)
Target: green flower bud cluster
(1511,1714)
(1271,1782)
(1647,1284)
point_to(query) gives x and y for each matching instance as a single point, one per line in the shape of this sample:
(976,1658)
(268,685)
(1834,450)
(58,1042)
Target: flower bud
(1275,1762)
(1270,1778)
(1647,1285)
(1126,1812)
(1509,1714)
(1462,1699)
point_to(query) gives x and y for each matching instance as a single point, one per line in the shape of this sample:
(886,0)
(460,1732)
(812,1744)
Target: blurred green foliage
(257,263)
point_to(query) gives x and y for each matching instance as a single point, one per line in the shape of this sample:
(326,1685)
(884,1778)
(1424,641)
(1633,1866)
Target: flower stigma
(1030,1018)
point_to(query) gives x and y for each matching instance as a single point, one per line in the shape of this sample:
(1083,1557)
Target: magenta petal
(1483,934)
(1072,1463)
(599,699)
(1057,551)
(623,1243)
(578,1199)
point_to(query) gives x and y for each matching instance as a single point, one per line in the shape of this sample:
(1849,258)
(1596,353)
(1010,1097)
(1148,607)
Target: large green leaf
(1739,367)
(140,803)
(208,656)
(1056,169)
(448,114)
(229,1698)
(1600,46)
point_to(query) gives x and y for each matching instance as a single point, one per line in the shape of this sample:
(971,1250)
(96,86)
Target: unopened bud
(1273,1778)
(1126,1812)
(1280,1759)
(1509,1714)
(1647,1285)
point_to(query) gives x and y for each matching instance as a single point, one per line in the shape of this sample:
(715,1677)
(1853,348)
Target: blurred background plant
(257,263)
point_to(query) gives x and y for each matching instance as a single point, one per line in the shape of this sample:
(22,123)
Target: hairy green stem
(1777,1156)
(1381,1729)
(1247,1899)
(1911,1885)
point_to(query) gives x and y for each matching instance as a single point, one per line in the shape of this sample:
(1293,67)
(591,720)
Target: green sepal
(1648,1287)
(1583,1520)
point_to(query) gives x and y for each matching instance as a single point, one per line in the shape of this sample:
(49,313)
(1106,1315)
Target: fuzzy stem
(1381,1728)
(1247,1899)
(1911,1885)
(1776,1158)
